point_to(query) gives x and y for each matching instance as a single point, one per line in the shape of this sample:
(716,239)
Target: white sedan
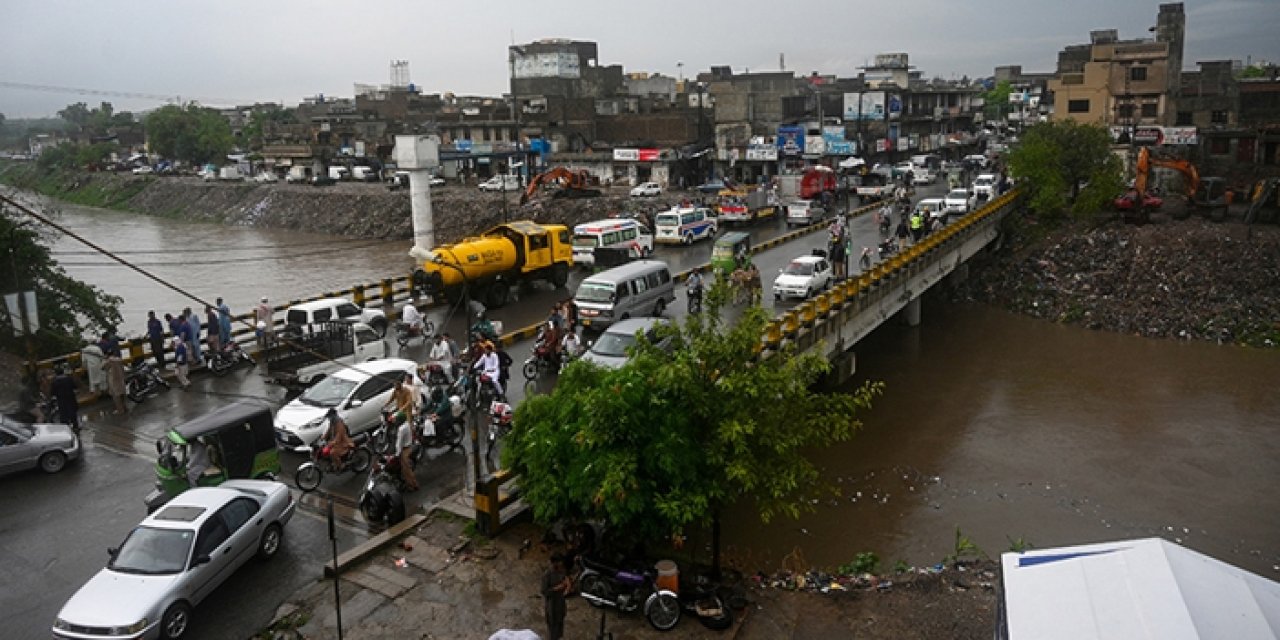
(802,278)
(956,202)
(175,558)
(646,190)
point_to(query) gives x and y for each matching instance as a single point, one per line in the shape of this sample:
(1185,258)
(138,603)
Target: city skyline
(240,53)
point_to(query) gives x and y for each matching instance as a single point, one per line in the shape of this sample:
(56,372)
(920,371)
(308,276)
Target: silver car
(48,446)
(610,350)
(175,558)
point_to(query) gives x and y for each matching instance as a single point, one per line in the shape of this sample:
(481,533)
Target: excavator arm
(1143,170)
(578,181)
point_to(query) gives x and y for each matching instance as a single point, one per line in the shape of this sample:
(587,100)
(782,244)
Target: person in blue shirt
(224,322)
(155,335)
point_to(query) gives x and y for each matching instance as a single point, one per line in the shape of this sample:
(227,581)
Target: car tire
(53,461)
(269,544)
(175,621)
(659,308)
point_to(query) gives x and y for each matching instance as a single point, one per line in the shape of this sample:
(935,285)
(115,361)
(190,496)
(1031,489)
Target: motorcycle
(143,380)
(605,586)
(405,333)
(543,358)
(311,472)
(226,358)
(427,434)
(887,248)
(382,497)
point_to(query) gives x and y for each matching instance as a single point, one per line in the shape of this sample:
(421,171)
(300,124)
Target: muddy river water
(1005,427)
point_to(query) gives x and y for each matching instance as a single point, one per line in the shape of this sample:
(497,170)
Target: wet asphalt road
(59,527)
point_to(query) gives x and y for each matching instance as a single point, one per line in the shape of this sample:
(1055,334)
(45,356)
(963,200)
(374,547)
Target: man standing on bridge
(262,315)
(155,335)
(224,322)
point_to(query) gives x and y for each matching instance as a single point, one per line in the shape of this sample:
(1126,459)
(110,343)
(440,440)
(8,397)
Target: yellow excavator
(1209,194)
(1264,202)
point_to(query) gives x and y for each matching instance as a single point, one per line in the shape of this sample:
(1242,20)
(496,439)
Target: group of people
(184,329)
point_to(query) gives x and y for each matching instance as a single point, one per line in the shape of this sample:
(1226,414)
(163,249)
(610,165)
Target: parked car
(804,212)
(28,446)
(501,183)
(437,181)
(802,277)
(329,309)
(646,190)
(322,181)
(610,349)
(265,176)
(357,393)
(143,171)
(175,558)
(956,202)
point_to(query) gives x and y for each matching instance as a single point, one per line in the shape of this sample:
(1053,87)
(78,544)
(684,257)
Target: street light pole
(471,423)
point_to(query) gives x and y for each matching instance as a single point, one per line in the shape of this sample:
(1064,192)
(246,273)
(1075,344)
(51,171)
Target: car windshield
(958,194)
(798,268)
(613,344)
(595,292)
(587,242)
(153,551)
(669,219)
(17,427)
(329,392)
(982,182)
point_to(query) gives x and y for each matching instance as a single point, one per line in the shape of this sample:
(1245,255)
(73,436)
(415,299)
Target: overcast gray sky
(285,50)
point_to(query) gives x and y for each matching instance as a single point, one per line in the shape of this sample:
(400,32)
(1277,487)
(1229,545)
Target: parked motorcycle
(311,472)
(406,334)
(143,380)
(382,498)
(228,357)
(605,586)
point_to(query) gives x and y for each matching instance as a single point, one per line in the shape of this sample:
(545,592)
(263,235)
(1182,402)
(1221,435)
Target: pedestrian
(266,327)
(63,389)
(404,447)
(109,343)
(917,227)
(193,321)
(173,323)
(215,334)
(114,366)
(555,586)
(864,262)
(181,362)
(224,322)
(505,362)
(902,234)
(155,335)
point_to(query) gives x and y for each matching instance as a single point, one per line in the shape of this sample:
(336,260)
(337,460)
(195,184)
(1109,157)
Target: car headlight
(132,629)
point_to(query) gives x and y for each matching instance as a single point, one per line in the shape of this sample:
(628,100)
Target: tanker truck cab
(485,267)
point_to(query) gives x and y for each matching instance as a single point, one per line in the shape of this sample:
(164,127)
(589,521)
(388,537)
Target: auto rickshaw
(729,248)
(235,441)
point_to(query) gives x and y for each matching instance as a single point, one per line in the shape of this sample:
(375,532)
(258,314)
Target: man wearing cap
(155,335)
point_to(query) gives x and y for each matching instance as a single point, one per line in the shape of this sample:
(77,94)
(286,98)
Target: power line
(301,254)
(177,99)
(340,243)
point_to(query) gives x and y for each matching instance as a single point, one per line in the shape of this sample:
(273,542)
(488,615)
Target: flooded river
(1006,427)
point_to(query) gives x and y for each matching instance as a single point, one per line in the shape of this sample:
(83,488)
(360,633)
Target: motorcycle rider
(693,288)
(404,448)
(337,439)
(439,413)
(571,346)
(412,317)
(484,328)
(442,354)
(490,365)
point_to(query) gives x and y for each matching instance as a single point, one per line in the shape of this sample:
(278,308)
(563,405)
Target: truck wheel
(497,294)
(559,275)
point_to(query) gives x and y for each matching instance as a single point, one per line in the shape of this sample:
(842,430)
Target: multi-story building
(1123,83)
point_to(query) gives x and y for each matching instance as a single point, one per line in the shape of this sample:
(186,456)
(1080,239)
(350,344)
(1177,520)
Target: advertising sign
(762,152)
(626,155)
(791,140)
(546,65)
(895,106)
(836,145)
(1180,135)
(649,155)
(1148,136)
(872,105)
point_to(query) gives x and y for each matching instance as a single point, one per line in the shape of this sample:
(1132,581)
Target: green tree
(76,114)
(1064,163)
(995,102)
(665,443)
(192,134)
(69,310)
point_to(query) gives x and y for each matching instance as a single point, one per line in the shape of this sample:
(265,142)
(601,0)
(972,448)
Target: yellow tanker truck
(488,265)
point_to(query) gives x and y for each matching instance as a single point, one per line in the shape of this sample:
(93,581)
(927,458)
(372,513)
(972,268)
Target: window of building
(1124,112)
(1218,117)
(1150,110)
(1184,119)
(1137,73)
(1078,106)
(1219,146)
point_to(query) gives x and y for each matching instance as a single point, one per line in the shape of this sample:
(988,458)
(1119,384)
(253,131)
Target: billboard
(558,64)
(762,152)
(864,106)
(648,154)
(790,140)
(835,143)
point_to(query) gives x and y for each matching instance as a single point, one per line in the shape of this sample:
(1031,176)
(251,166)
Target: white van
(339,173)
(611,233)
(634,290)
(684,225)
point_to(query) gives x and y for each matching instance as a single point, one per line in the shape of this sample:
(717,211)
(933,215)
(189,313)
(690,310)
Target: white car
(357,393)
(143,171)
(956,202)
(501,183)
(804,212)
(330,309)
(175,558)
(984,187)
(265,176)
(932,208)
(646,190)
(802,278)
(922,175)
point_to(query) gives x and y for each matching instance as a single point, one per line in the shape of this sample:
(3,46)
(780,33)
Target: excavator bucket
(1264,205)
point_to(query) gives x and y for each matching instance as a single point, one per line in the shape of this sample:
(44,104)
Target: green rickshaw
(729,248)
(235,441)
